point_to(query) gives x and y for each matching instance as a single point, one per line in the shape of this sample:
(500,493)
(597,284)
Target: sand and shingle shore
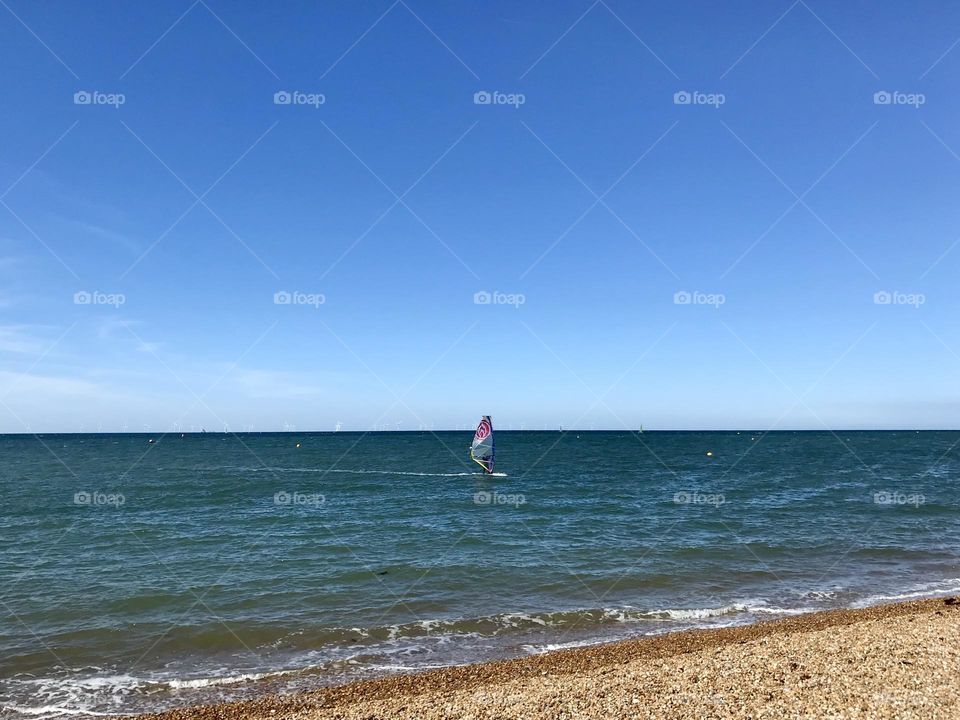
(890,661)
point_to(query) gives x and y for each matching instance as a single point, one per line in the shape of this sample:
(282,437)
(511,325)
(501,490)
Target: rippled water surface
(135,577)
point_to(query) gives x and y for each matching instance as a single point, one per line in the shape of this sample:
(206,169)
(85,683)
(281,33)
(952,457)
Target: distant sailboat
(482,449)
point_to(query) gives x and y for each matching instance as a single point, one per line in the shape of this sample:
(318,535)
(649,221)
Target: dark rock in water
(384,572)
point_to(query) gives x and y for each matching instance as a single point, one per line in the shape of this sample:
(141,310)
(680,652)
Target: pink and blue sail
(482,450)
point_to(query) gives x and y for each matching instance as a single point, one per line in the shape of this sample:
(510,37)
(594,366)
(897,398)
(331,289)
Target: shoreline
(583,677)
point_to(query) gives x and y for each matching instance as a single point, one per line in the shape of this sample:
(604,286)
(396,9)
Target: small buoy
(709,453)
(151,441)
(298,444)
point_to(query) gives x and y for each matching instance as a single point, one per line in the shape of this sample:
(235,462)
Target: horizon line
(738,431)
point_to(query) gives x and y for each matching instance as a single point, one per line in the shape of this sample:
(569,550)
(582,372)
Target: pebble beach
(890,661)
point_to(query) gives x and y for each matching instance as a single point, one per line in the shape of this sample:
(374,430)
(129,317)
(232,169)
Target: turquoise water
(136,577)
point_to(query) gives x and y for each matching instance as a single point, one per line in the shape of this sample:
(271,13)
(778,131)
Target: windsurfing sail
(482,450)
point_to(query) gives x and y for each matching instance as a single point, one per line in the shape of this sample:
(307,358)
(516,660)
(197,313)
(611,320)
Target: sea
(139,576)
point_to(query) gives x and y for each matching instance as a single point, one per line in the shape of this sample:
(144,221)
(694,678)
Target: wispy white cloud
(117,238)
(35,385)
(115,328)
(23,339)
(119,330)
(8,264)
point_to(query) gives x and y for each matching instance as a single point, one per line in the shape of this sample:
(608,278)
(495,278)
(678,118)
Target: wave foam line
(923,590)
(417,474)
(371,472)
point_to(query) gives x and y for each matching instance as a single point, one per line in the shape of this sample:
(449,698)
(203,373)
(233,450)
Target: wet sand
(889,661)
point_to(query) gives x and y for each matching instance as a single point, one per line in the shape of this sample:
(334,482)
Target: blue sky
(588,199)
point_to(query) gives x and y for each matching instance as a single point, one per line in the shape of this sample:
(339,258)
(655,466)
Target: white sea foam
(415,474)
(940,587)
(67,696)
(550,647)
(393,667)
(701,613)
(223,680)
(516,619)
(782,611)
(734,609)
(51,711)
(364,471)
